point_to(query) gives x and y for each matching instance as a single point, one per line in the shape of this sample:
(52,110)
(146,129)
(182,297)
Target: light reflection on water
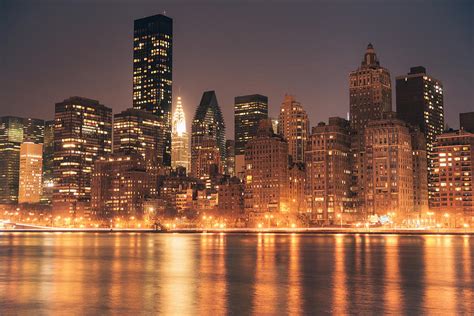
(74,273)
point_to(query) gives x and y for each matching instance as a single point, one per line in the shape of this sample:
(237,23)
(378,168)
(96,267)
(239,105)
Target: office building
(31,173)
(82,134)
(139,131)
(230,157)
(13,132)
(249,110)
(120,186)
(207,127)
(152,73)
(179,139)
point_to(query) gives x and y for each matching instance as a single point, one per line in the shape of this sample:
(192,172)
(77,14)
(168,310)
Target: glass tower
(152,72)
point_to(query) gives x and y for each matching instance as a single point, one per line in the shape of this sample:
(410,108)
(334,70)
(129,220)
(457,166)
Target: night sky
(51,50)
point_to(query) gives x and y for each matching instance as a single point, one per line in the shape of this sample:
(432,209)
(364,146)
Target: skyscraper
(370,95)
(370,91)
(179,139)
(139,131)
(152,72)
(31,173)
(293,125)
(82,134)
(208,124)
(249,110)
(13,132)
(329,171)
(420,103)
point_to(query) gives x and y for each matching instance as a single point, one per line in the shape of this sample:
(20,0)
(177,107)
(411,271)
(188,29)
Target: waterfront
(182,274)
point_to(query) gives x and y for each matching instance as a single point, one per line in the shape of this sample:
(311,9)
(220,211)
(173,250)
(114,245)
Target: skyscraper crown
(370,58)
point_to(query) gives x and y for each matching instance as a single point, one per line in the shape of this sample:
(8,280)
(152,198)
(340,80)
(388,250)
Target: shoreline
(300,231)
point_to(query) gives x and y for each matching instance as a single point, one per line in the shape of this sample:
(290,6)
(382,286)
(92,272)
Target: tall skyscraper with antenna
(179,138)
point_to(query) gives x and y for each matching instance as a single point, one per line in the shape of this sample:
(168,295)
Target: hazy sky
(51,50)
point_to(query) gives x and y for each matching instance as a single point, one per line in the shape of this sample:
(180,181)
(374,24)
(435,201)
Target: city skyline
(321,83)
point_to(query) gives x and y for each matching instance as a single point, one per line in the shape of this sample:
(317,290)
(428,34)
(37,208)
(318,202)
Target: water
(215,274)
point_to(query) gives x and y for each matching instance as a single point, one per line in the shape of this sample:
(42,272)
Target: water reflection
(235,274)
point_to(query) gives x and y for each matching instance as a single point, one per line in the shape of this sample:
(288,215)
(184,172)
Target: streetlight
(446,215)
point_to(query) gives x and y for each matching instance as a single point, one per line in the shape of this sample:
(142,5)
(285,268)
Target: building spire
(370,58)
(179,121)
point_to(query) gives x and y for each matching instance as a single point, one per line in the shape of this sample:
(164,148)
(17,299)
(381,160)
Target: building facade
(82,134)
(120,186)
(153,73)
(13,132)
(208,126)
(388,168)
(452,184)
(31,173)
(179,139)
(266,173)
(139,131)
(293,125)
(370,95)
(249,110)
(329,172)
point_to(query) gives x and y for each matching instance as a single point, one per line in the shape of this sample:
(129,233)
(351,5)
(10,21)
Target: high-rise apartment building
(31,173)
(13,132)
(139,131)
(420,172)
(328,174)
(208,162)
(152,72)
(452,184)
(82,134)
(370,95)
(388,168)
(208,125)
(179,139)
(293,125)
(266,173)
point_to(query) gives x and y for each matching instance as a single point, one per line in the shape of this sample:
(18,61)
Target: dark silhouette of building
(420,103)
(466,121)
(152,72)
(208,126)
